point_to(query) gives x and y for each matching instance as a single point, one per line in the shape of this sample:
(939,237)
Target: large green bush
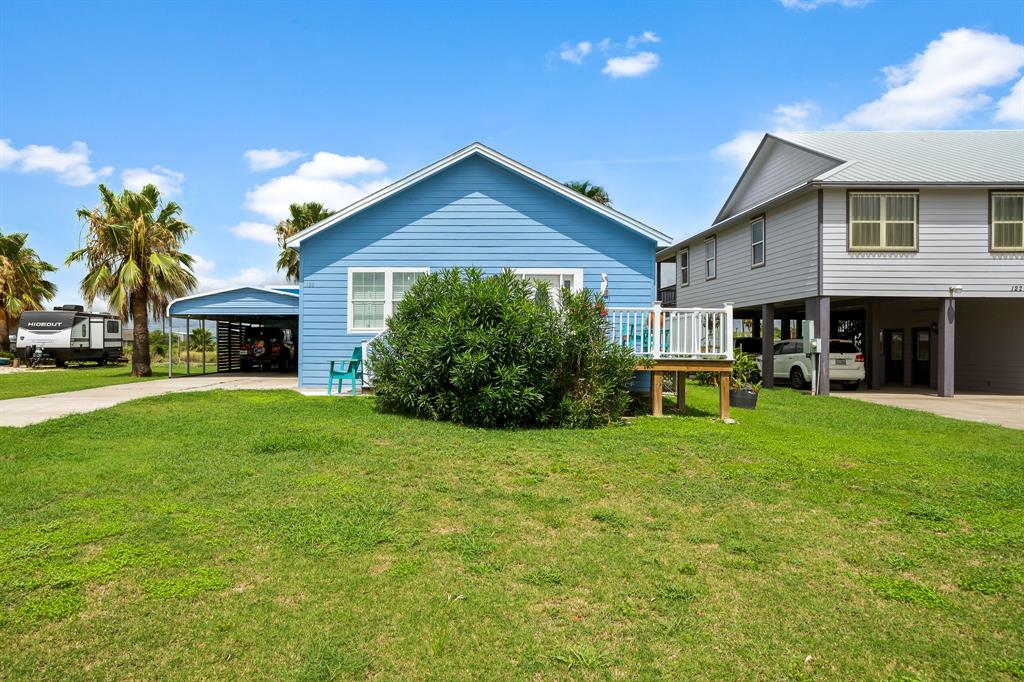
(494,351)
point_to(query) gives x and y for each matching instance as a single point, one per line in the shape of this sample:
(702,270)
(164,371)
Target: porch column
(818,309)
(873,347)
(947,336)
(755,327)
(768,345)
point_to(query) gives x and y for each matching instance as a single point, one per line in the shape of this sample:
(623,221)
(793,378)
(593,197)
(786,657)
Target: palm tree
(133,254)
(200,339)
(595,192)
(302,216)
(22,283)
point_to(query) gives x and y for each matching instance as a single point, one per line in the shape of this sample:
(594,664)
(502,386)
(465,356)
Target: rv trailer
(69,334)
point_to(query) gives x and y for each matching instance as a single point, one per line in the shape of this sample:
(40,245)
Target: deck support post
(656,407)
(947,336)
(768,345)
(723,394)
(681,392)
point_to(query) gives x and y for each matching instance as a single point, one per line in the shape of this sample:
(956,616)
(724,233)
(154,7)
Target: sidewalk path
(39,408)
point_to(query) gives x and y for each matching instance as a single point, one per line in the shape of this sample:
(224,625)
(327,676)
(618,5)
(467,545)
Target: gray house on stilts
(909,243)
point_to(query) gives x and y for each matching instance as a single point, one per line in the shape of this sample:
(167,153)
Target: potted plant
(743,388)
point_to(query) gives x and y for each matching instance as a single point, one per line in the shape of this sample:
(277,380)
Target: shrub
(494,351)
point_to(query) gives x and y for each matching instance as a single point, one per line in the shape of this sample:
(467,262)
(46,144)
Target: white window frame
(992,223)
(389,301)
(882,246)
(680,281)
(576,273)
(707,261)
(762,242)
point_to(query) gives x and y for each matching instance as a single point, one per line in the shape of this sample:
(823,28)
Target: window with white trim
(684,267)
(757,242)
(883,221)
(711,258)
(1008,221)
(556,278)
(373,294)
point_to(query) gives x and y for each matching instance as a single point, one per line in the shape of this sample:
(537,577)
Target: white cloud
(815,4)
(575,53)
(327,178)
(645,37)
(938,89)
(167,181)
(1010,109)
(258,232)
(941,85)
(327,165)
(202,266)
(631,66)
(71,167)
(785,118)
(266,159)
(253,277)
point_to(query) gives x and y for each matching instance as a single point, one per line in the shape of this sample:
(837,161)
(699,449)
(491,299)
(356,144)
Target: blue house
(475,207)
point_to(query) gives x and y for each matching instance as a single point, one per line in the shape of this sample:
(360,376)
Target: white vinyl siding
(684,268)
(1008,221)
(374,293)
(757,242)
(883,221)
(710,258)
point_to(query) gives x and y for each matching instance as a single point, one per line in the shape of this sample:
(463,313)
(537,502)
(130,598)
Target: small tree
(591,191)
(200,339)
(23,285)
(495,351)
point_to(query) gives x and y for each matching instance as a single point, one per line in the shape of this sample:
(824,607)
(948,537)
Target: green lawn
(274,536)
(49,380)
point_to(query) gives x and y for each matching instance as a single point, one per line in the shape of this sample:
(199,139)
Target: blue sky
(660,103)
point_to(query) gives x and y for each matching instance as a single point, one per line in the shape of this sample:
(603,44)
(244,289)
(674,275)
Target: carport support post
(947,336)
(188,356)
(768,345)
(203,323)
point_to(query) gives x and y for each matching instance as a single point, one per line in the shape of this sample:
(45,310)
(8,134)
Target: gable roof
(987,158)
(267,289)
(477,149)
(788,165)
(947,157)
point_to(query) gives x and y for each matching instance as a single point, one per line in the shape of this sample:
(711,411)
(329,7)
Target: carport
(232,312)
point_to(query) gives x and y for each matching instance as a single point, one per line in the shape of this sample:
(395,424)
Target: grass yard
(274,536)
(48,380)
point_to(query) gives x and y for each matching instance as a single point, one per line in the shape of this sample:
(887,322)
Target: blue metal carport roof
(239,303)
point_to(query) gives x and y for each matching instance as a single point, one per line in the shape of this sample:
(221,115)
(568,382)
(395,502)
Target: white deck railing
(673,333)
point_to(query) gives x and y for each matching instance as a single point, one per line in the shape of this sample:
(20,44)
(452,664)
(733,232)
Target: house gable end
(776,167)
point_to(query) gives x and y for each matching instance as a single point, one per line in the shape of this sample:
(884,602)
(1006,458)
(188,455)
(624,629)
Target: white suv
(845,366)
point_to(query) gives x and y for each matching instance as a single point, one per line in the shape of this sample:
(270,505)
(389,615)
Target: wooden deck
(680,368)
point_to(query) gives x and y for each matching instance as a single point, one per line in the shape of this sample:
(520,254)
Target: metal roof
(984,157)
(235,303)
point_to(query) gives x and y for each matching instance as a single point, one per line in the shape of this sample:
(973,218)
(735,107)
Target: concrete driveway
(1005,410)
(39,408)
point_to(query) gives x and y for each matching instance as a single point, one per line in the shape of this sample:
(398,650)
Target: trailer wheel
(60,363)
(102,362)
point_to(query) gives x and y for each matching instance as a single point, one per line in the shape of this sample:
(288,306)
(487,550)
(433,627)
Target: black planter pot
(742,398)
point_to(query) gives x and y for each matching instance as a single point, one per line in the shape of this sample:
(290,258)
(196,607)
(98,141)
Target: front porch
(677,341)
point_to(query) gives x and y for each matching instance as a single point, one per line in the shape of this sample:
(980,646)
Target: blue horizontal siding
(241,301)
(475,213)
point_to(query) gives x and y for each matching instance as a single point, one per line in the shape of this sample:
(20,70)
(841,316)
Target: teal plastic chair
(353,371)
